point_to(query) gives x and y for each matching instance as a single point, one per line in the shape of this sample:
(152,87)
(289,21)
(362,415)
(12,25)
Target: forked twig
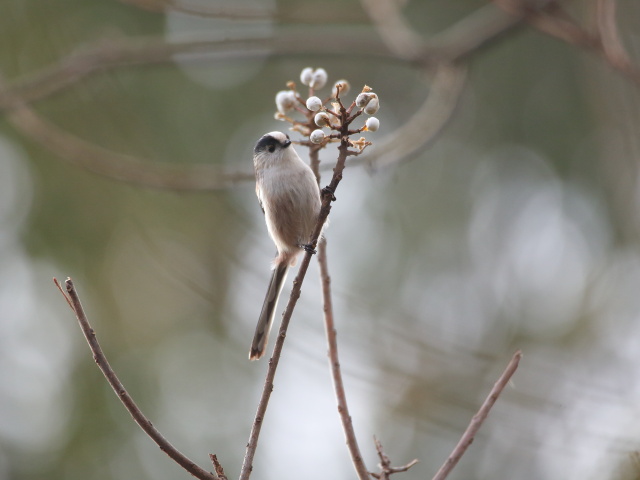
(218,468)
(71,296)
(479,418)
(386,470)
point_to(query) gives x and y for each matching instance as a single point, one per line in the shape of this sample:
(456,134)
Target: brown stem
(334,362)
(479,418)
(71,296)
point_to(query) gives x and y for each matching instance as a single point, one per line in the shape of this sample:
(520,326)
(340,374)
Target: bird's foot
(330,192)
(307,247)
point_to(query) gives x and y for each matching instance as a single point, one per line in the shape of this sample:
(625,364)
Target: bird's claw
(329,191)
(307,247)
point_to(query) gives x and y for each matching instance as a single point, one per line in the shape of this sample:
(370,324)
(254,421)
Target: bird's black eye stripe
(266,143)
(270,144)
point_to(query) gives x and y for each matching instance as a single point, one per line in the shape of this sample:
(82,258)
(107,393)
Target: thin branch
(334,362)
(479,418)
(247,464)
(113,165)
(218,468)
(386,470)
(71,296)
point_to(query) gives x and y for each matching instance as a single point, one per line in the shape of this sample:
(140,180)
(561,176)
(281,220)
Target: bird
(290,198)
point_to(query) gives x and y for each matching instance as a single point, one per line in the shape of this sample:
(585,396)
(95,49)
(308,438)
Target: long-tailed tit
(290,199)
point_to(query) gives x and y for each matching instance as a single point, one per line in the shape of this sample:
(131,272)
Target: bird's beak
(286,143)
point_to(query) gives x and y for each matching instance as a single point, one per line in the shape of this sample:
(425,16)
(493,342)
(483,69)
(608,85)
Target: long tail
(268,311)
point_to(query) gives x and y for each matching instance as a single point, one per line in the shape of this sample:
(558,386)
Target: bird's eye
(271,148)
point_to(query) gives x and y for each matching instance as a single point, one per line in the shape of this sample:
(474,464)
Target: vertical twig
(479,418)
(334,362)
(217,467)
(71,296)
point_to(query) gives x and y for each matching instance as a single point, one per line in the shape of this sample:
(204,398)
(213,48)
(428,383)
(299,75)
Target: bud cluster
(330,114)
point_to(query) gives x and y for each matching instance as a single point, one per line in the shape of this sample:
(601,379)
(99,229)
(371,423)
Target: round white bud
(372,107)
(319,79)
(306,76)
(372,124)
(314,104)
(344,87)
(285,100)
(317,136)
(363,98)
(322,119)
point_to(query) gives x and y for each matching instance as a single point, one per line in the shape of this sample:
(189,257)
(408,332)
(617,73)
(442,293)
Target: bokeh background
(517,227)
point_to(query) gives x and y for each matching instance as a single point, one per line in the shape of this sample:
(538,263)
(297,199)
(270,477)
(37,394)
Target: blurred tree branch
(118,166)
(452,44)
(442,52)
(556,22)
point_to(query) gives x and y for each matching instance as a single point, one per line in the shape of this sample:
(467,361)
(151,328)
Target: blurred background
(515,227)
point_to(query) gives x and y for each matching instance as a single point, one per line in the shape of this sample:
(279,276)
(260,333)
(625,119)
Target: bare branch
(101,360)
(332,340)
(386,470)
(218,468)
(479,418)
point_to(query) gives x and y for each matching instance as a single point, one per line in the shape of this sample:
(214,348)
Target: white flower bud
(306,76)
(363,99)
(314,104)
(344,87)
(372,107)
(285,100)
(317,136)
(322,119)
(319,79)
(372,124)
